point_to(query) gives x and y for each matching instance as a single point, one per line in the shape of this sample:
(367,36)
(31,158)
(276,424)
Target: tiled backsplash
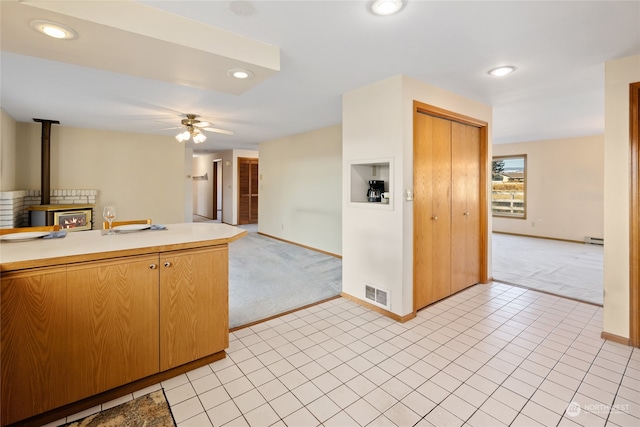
(14,205)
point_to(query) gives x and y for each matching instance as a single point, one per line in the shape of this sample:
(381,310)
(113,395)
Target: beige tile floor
(491,355)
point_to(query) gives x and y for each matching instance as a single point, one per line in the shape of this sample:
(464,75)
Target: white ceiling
(138,66)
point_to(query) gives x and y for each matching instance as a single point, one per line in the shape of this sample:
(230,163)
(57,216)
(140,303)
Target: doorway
(548,216)
(207,190)
(634,217)
(217,190)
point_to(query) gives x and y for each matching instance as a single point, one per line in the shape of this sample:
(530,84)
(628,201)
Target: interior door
(432,209)
(465,207)
(247,190)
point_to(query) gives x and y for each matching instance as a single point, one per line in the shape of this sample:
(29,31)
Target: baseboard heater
(594,240)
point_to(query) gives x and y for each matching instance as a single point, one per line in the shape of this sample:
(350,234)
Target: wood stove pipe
(45,160)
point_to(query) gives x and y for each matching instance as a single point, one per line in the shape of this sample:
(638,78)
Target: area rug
(268,277)
(150,410)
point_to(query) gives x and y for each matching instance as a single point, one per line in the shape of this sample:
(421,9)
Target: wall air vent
(380,297)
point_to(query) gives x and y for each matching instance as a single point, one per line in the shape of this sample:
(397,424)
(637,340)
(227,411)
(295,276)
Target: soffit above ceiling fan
(193,128)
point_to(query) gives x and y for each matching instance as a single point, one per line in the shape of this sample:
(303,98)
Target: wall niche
(361,172)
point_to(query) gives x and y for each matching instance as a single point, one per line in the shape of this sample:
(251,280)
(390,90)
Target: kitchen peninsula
(89,317)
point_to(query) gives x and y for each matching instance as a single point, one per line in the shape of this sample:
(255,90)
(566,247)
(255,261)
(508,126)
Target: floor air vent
(593,240)
(379,297)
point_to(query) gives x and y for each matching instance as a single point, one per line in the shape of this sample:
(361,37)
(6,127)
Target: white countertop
(85,243)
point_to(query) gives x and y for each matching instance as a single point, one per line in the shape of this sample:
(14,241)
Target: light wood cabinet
(446,208)
(188,286)
(33,345)
(77,330)
(112,322)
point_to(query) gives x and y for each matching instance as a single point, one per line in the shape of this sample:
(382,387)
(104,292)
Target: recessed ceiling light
(240,73)
(53,29)
(242,8)
(502,70)
(386,7)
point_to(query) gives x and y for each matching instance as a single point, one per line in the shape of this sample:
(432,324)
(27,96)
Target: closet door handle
(152,266)
(466,214)
(435,217)
(167,264)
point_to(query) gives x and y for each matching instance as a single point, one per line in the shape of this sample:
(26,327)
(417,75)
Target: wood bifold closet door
(465,206)
(248,190)
(446,208)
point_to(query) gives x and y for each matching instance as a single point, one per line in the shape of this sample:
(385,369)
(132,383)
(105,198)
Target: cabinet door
(194,317)
(465,208)
(33,347)
(432,210)
(113,323)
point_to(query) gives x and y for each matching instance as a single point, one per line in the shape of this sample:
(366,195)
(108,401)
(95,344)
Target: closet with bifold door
(449,223)
(247,190)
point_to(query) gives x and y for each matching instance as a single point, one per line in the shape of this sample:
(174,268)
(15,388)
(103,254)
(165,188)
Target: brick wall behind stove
(14,205)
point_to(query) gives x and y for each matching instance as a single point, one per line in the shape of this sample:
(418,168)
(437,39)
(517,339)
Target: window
(508,186)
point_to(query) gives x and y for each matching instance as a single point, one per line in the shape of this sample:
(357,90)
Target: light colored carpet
(573,270)
(268,277)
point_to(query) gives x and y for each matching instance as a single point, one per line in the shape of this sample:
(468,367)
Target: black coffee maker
(376,188)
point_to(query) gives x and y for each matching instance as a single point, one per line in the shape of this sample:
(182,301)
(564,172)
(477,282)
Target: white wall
(7,152)
(378,241)
(301,189)
(144,176)
(565,188)
(618,75)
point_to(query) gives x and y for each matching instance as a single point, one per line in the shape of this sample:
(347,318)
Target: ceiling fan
(194,129)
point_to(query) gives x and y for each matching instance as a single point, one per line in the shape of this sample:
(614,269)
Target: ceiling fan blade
(175,127)
(226,132)
(202,124)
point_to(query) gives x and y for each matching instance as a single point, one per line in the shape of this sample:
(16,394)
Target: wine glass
(109,214)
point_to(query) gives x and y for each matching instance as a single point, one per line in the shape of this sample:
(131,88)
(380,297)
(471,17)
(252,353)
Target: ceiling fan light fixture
(385,7)
(54,29)
(183,136)
(502,70)
(199,138)
(240,73)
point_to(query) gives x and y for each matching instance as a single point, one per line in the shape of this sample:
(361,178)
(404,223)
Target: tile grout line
(511,342)
(503,299)
(485,364)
